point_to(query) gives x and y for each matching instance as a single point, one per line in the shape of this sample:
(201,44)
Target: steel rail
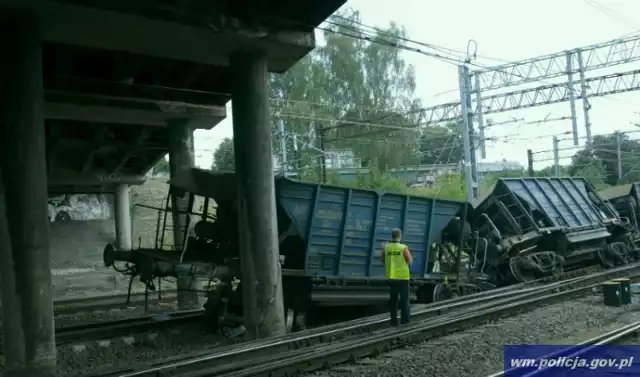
(102,302)
(125,326)
(121,327)
(449,310)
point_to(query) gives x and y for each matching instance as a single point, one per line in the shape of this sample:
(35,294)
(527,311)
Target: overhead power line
(462,54)
(610,12)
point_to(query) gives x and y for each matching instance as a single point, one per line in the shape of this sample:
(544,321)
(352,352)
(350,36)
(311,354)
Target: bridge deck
(115,72)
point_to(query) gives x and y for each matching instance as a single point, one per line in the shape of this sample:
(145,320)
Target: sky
(504,30)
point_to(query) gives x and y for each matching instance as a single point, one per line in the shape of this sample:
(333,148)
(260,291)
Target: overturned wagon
(527,228)
(329,243)
(625,198)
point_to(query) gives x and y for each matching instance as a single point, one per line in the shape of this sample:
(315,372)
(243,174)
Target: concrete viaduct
(95,92)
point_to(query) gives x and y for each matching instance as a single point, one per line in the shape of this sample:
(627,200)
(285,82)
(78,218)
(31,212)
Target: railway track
(127,326)
(106,302)
(123,327)
(313,349)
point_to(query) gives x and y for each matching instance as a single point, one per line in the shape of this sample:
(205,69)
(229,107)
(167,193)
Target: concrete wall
(77,245)
(76,261)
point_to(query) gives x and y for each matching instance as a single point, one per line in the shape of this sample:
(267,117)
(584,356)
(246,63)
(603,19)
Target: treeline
(358,96)
(449,186)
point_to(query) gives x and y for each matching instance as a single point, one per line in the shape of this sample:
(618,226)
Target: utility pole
(297,156)
(585,100)
(283,148)
(483,148)
(467,122)
(321,170)
(323,157)
(572,99)
(556,158)
(472,136)
(530,163)
(619,155)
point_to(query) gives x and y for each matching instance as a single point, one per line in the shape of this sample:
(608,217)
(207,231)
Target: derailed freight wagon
(625,199)
(330,240)
(528,228)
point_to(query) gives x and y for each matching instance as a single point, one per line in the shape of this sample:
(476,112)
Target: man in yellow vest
(397,259)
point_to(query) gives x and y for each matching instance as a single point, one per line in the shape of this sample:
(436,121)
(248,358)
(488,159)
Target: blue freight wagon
(330,239)
(531,227)
(336,234)
(625,198)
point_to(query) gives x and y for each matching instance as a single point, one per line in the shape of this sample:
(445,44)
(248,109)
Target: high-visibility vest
(396,266)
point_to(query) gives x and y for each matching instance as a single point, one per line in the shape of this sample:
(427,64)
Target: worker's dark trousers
(399,289)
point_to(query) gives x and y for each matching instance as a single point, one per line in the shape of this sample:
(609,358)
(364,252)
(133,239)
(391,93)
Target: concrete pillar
(30,348)
(15,357)
(181,157)
(122,212)
(259,256)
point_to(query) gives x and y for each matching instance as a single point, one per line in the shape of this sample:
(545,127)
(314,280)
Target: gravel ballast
(113,314)
(124,352)
(479,351)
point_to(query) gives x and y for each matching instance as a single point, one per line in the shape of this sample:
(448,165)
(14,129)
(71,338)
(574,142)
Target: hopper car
(330,238)
(624,198)
(528,228)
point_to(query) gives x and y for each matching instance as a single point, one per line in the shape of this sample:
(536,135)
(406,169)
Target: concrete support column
(181,157)
(122,204)
(29,344)
(259,255)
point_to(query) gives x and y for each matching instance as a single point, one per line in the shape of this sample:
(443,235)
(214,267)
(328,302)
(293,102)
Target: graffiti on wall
(79,207)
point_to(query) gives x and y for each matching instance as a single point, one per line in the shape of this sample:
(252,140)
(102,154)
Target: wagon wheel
(620,252)
(522,269)
(442,292)
(605,258)
(548,263)
(632,249)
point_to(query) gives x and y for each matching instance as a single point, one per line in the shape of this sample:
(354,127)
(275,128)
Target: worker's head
(396,234)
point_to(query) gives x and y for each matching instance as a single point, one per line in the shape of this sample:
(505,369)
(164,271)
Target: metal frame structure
(538,96)
(596,56)
(473,86)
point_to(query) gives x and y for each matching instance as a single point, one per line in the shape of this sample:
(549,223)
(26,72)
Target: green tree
(223,156)
(361,94)
(161,167)
(599,164)
(442,144)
